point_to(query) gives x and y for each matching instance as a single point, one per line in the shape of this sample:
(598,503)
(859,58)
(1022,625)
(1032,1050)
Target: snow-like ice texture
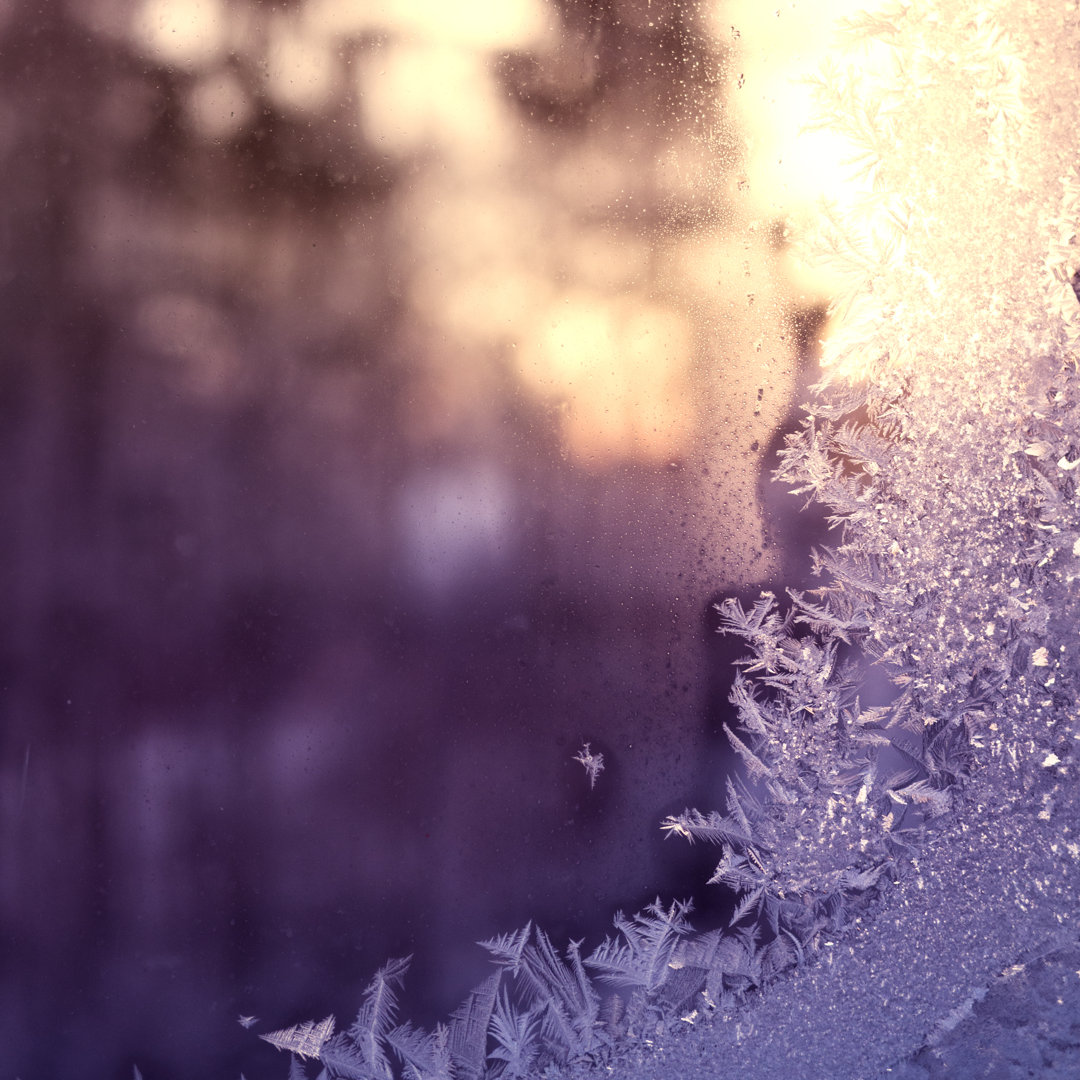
(891,862)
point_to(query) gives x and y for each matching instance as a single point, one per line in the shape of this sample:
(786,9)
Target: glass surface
(387,391)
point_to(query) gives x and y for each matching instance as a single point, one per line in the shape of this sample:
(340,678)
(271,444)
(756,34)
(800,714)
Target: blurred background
(387,388)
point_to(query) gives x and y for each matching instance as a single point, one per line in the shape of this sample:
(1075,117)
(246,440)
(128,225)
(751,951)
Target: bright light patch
(415,96)
(478,24)
(617,368)
(789,167)
(188,33)
(300,67)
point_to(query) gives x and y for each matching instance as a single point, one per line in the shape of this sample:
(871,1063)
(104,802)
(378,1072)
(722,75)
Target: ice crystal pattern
(594,763)
(305,1040)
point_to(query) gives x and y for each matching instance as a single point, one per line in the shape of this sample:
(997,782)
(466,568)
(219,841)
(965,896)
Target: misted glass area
(387,391)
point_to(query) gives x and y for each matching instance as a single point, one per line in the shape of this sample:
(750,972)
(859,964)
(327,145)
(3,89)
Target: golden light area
(302,69)
(196,32)
(188,33)
(617,367)
(484,25)
(518,240)
(613,363)
(789,168)
(424,95)
(755,350)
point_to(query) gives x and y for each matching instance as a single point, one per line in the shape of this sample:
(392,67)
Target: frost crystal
(305,1040)
(594,763)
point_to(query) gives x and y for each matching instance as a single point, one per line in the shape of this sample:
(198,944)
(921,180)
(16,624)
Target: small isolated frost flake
(1040,657)
(1050,760)
(1076,547)
(594,763)
(247,1021)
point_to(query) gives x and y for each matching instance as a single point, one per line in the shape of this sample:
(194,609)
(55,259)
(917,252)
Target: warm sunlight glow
(617,369)
(479,24)
(185,32)
(943,137)
(776,48)
(519,248)
(789,168)
(301,67)
(418,96)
